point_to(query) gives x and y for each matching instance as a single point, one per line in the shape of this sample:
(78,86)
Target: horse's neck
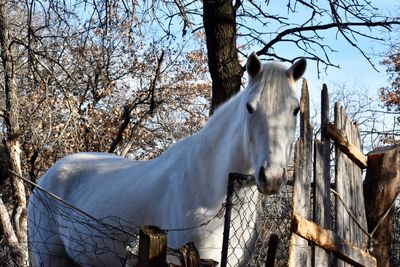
(223,142)
(211,154)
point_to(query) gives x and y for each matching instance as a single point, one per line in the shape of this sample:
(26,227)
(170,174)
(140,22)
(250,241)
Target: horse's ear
(253,65)
(297,69)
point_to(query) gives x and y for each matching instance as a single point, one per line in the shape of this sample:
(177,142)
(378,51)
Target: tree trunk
(219,18)
(381,188)
(12,142)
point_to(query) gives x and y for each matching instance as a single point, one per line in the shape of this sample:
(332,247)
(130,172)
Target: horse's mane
(275,93)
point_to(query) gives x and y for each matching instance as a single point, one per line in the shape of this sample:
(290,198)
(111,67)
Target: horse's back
(74,170)
(51,222)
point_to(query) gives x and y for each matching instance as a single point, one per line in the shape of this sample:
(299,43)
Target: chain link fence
(81,233)
(260,217)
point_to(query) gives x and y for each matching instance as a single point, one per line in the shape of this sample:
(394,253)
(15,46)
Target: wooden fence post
(381,188)
(152,247)
(321,186)
(299,251)
(189,256)
(271,252)
(227,220)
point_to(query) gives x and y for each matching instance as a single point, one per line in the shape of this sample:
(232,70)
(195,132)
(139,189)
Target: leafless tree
(266,26)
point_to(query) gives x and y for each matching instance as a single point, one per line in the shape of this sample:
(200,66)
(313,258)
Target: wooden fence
(347,238)
(153,251)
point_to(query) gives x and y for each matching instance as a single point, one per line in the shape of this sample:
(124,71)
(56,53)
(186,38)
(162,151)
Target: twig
(314,28)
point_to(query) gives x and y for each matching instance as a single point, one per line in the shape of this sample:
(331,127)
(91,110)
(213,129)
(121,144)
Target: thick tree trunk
(381,188)
(219,18)
(12,142)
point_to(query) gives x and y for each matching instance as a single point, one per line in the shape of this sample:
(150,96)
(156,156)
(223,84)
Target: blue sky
(354,69)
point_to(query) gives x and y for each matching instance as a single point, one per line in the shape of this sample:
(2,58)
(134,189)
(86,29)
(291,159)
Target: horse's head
(271,106)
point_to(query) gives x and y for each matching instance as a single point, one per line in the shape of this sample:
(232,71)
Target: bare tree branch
(182,11)
(148,99)
(387,24)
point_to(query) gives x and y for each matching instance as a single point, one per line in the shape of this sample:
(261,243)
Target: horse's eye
(296,111)
(250,109)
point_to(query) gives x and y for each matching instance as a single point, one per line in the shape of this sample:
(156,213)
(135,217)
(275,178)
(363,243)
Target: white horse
(186,186)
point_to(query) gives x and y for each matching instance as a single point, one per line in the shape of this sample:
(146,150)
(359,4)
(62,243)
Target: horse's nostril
(261,175)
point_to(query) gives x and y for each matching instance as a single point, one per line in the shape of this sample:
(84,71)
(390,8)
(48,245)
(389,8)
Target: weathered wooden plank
(343,222)
(381,188)
(189,256)
(349,187)
(303,205)
(358,195)
(324,113)
(300,252)
(322,202)
(321,185)
(152,247)
(306,128)
(342,140)
(332,242)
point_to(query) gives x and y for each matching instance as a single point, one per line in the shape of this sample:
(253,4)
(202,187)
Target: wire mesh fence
(275,214)
(259,217)
(57,226)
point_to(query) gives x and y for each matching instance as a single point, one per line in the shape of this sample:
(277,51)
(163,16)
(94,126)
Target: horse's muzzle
(270,180)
